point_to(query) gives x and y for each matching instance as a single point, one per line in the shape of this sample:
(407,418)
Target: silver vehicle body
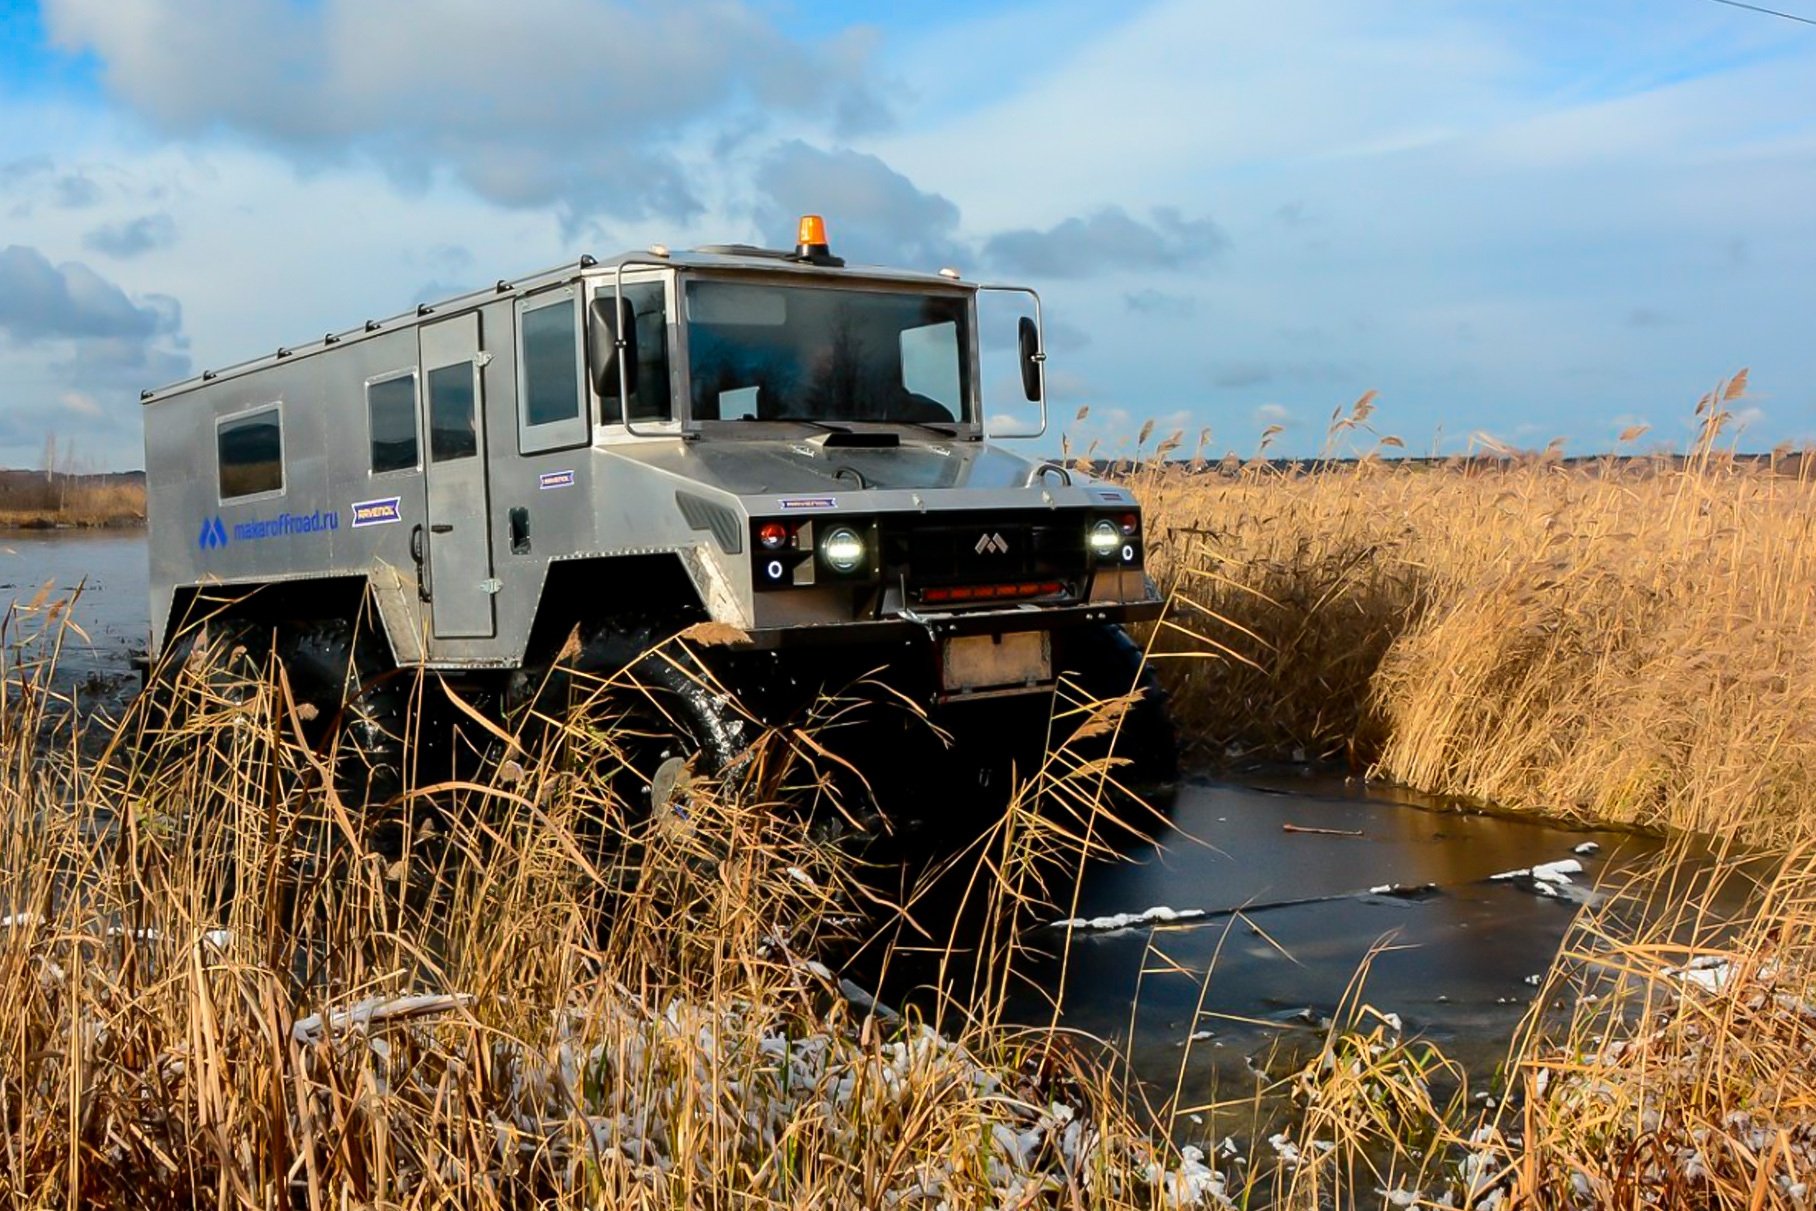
(460,553)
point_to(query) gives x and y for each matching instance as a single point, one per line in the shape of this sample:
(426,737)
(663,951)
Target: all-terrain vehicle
(571,466)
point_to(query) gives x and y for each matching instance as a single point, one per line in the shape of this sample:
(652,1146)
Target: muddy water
(1254,985)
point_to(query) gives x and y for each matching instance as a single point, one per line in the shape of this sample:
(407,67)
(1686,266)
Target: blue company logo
(377,512)
(215,534)
(555,479)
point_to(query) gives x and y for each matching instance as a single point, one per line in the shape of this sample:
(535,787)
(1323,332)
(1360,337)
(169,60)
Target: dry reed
(1621,640)
(224,984)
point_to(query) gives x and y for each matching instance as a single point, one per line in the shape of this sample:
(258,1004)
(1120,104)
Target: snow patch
(1710,973)
(1556,873)
(1159,915)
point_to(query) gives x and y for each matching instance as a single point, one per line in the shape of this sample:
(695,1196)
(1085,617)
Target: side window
(249,452)
(391,423)
(549,363)
(650,400)
(451,431)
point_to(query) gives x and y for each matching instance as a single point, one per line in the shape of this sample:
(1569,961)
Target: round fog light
(1105,538)
(842,549)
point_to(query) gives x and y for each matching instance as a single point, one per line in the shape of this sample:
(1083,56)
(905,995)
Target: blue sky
(1550,219)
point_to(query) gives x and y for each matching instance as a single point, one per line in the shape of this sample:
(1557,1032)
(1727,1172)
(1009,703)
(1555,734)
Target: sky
(1550,219)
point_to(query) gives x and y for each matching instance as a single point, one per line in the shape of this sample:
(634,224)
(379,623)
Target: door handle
(417,554)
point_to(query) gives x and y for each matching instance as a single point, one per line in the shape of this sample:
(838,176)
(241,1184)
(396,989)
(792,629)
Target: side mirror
(1027,335)
(607,336)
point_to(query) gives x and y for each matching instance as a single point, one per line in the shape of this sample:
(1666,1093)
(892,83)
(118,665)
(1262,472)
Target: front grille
(997,547)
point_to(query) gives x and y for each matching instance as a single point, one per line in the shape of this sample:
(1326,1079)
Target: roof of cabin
(737,257)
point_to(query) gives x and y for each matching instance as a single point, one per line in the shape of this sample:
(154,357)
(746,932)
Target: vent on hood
(875,440)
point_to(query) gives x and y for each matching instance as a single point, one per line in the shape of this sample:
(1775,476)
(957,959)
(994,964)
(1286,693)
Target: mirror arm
(620,343)
(1040,361)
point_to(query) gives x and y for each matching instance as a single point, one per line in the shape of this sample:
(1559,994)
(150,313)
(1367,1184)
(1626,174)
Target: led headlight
(843,549)
(1105,538)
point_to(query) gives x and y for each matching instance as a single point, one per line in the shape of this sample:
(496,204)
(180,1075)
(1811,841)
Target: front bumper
(936,624)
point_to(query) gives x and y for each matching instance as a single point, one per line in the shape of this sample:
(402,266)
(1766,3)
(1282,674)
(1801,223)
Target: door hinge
(482,358)
(492,585)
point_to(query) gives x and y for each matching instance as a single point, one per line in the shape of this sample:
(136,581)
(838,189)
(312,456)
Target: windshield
(765,352)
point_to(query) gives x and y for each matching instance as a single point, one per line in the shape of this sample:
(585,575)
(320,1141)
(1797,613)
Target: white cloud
(577,104)
(881,216)
(1497,197)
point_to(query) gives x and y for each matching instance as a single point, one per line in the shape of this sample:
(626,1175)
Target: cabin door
(458,551)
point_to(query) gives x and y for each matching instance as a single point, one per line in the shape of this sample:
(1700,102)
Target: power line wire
(1770,12)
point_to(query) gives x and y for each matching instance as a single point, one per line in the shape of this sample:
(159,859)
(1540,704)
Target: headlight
(842,549)
(1105,538)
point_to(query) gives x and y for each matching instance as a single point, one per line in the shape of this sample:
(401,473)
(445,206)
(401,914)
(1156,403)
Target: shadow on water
(1299,880)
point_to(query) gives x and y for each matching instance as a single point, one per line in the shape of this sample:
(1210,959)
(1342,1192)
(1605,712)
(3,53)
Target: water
(109,568)
(1453,964)
(1291,917)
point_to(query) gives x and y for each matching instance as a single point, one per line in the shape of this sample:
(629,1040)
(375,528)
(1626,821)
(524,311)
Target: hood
(753,468)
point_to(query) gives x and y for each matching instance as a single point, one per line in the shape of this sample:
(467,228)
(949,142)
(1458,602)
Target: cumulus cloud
(874,213)
(39,300)
(571,103)
(1079,247)
(133,237)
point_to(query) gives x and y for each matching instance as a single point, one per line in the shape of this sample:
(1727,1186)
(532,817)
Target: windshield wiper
(809,420)
(942,430)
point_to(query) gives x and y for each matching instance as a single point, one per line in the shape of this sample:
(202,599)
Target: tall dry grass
(222,983)
(1622,640)
(35,499)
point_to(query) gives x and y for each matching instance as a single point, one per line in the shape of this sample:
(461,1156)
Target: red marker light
(1130,523)
(772,534)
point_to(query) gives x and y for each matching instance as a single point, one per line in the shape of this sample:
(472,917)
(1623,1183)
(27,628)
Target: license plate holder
(973,666)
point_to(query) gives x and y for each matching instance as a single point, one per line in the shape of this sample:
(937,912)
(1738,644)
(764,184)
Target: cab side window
(249,453)
(550,357)
(650,397)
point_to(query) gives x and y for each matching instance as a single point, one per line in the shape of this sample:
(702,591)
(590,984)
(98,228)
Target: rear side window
(549,359)
(391,423)
(249,453)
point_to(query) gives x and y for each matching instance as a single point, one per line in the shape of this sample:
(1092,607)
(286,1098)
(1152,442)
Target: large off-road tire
(640,711)
(352,703)
(357,703)
(1104,663)
(205,666)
